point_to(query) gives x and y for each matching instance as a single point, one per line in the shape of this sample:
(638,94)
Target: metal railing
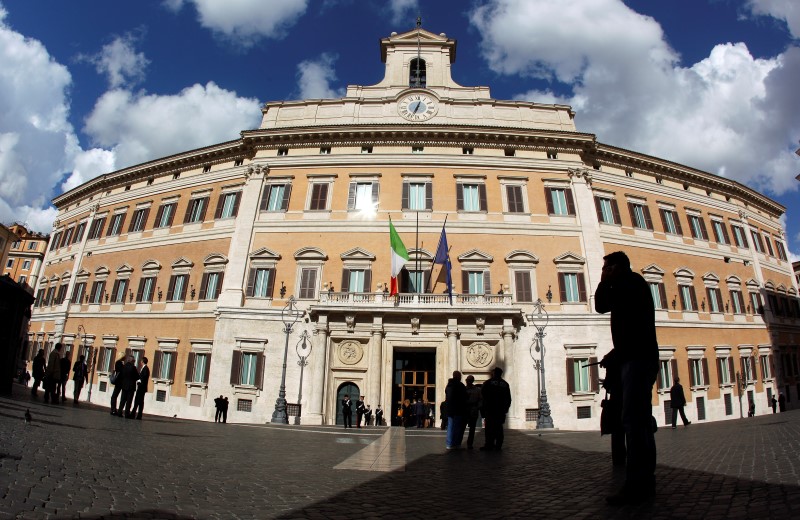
(415,299)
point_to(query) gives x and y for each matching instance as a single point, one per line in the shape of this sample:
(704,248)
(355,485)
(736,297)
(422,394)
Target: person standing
(62,382)
(474,407)
(347,412)
(379,416)
(38,371)
(774,403)
(781,403)
(626,295)
(80,376)
(496,400)
(225,404)
(456,399)
(52,374)
(360,409)
(421,412)
(368,415)
(130,376)
(116,380)
(141,389)
(218,405)
(678,400)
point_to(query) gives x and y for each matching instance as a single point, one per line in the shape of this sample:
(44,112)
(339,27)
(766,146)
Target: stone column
(509,369)
(752,251)
(316,383)
(593,248)
(453,361)
(375,363)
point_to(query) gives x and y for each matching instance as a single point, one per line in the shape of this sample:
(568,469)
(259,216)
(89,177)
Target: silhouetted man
(456,399)
(130,376)
(80,377)
(626,295)
(141,389)
(496,400)
(678,401)
(347,411)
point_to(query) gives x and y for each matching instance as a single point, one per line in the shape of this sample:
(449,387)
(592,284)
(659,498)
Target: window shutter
(203,287)
(570,376)
(208,368)
(662,212)
(367,280)
(157,363)
(460,197)
(615,211)
(251,282)
(236,367)
(464,282)
(404,199)
(694,297)
(262,206)
(742,367)
(482,196)
(753,372)
(172,362)
(709,297)
(720,370)
(562,289)
(270,282)
(403,282)
(236,201)
(182,295)
(677,221)
(692,380)
(287,192)
(704,362)
(204,202)
(159,212)
(351,195)
(171,287)
(570,201)
(345,286)
(771,366)
(260,371)
(632,214)
(594,375)
(321,200)
(487,282)
(703,228)
(188,213)
(220,204)
(548,197)
(375,192)
(190,367)
(648,222)
(426,278)
(660,380)
(218,289)
(522,286)
(581,288)
(674,364)
(428,195)
(662,293)
(730,369)
(598,209)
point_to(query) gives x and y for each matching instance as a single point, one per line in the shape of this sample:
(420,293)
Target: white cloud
(403,10)
(138,127)
(246,21)
(786,10)
(315,76)
(120,62)
(729,114)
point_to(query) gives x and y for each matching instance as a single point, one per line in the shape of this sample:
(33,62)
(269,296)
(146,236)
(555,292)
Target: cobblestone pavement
(83,463)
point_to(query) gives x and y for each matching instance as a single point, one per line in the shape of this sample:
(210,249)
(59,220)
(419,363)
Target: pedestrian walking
(774,403)
(52,374)
(751,409)
(626,295)
(80,376)
(678,401)
(218,405)
(62,382)
(495,402)
(225,410)
(116,379)
(39,365)
(130,376)
(141,389)
(474,407)
(456,398)
(379,416)
(347,412)
(360,409)
(443,415)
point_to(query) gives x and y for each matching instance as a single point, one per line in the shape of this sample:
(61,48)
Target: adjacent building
(25,255)
(199,260)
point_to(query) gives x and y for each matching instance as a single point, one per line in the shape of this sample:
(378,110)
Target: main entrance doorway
(352,390)
(414,378)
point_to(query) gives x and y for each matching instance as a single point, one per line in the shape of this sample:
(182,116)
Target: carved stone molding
(415,325)
(480,354)
(350,321)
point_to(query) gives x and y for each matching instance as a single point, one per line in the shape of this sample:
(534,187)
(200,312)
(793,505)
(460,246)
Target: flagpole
(416,264)
(437,249)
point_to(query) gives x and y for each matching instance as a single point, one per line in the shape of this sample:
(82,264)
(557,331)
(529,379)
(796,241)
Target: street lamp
(539,319)
(90,358)
(289,317)
(303,349)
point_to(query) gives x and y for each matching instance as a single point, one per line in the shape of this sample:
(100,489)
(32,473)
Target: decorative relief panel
(480,354)
(350,352)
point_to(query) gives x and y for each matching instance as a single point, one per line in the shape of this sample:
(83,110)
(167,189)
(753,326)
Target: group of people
(53,375)
(130,383)
(415,413)
(221,405)
(464,404)
(363,413)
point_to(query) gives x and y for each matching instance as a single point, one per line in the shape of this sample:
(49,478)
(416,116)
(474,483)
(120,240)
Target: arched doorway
(351,389)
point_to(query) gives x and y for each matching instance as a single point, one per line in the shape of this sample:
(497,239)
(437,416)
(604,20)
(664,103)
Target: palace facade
(191,260)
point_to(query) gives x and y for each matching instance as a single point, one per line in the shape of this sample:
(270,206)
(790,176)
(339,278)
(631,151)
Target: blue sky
(92,86)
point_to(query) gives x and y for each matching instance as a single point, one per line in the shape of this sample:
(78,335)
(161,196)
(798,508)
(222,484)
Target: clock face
(417,107)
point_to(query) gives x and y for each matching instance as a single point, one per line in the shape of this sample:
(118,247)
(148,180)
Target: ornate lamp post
(303,349)
(90,359)
(539,319)
(289,317)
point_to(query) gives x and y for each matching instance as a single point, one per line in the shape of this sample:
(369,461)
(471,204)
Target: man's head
(130,359)
(82,358)
(615,263)
(497,372)
(346,396)
(456,376)
(677,380)
(58,347)
(470,380)
(144,360)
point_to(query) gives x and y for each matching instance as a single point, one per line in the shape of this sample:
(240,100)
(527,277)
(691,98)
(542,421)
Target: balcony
(381,299)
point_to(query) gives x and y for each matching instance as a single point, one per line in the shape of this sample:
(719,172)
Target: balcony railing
(411,299)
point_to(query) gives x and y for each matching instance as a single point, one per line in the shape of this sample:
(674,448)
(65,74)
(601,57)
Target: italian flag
(399,256)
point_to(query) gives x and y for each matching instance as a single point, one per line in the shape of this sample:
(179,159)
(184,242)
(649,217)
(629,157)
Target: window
(510,152)
(98,288)
(244,405)
(22,279)
(177,287)
(66,239)
(61,294)
(56,240)
(768,243)
(282,152)
(607,210)
(417,195)
(698,227)
(366,149)
(781,250)
(363,196)
(16,244)
(79,231)
(198,367)
(206,168)
(522,286)
(275,197)
(471,197)
(228,205)
(238,162)
(260,282)
(468,151)
(720,232)
(319,196)
(118,291)
(572,287)
(164,364)
(552,154)
(582,378)
(698,372)
(739,237)
(10,263)
(688,298)
(147,286)
(78,292)
(210,285)
(748,366)
(40,297)
(667,370)
(417,73)
(640,215)
(757,243)
(308,283)
(31,245)
(725,370)
(737,302)
(165,214)
(413,281)
(514,199)
(96,230)
(559,201)
(139,220)
(325,150)
(766,366)
(714,299)
(476,282)
(659,295)
(115,227)
(247,368)
(26,264)
(107,359)
(417,149)
(755,302)
(356,280)
(196,210)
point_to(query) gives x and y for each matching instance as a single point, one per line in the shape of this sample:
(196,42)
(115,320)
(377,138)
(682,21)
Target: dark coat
(129,376)
(360,409)
(419,408)
(64,369)
(144,379)
(633,323)
(456,398)
(38,366)
(347,407)
(496,398)
(80,373)
(677,396)
(118,366)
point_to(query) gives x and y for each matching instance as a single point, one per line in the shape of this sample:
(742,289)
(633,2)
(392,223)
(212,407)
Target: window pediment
(151,265)
(752,284)
(310,253)
(733,279)
(265,254)
(101,271)
(358,254)
(710,278)
(683,272)
(82,274)
(475,255)
(182,263)
(769,285)
(216,259)
(124,269)
(653,270)
(521,256)
(569,258)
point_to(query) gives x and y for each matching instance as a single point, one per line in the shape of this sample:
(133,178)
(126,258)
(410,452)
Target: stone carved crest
(350,352)
(480,323)
(480,355)
(350,320)
(415,325)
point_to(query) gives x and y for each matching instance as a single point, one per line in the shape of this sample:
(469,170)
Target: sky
(92,86)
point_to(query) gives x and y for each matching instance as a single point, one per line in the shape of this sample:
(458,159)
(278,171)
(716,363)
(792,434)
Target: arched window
(416,73)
